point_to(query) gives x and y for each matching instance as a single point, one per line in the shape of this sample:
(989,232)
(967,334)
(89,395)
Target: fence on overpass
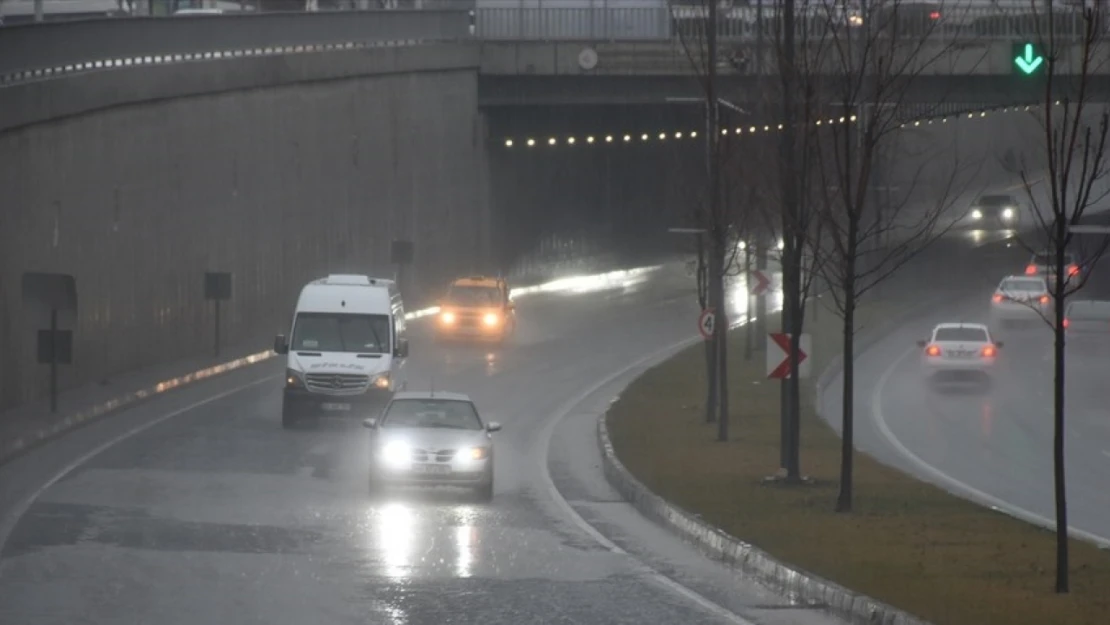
(43,50)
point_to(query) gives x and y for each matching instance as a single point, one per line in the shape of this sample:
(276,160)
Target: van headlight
(382,381)
(293,379)
(491,319)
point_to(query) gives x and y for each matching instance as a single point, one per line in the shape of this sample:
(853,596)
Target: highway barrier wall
(137,181)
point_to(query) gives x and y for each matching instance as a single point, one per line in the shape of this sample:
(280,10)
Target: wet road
(993,444)
(217,515)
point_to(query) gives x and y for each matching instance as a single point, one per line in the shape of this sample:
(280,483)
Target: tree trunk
(847,406)
(720,332)
(791,286)
(1058,432)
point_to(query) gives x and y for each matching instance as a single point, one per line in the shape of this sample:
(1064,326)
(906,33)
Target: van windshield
(341,332)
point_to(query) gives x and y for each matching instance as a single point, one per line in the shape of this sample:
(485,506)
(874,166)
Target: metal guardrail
(942,21)
(50,49)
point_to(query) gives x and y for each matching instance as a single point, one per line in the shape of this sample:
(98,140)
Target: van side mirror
(370,424)
(280,345)
(401,350)
(921,343)
(493,426)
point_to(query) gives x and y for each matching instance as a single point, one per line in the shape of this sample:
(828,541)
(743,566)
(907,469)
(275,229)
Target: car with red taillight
(1087,324)
(1044,264)
(1020,300)
(957,349)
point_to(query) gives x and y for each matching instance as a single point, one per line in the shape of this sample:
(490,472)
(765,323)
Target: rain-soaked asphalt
(992,443)
(217,515)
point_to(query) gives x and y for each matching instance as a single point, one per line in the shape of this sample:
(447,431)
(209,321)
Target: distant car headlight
(782,244)
(447,317)
(976,214)
(1008,214)
(396,455)
(491,319)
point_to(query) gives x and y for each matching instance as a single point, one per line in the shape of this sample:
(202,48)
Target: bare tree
(699,41)
(865,61)
(1074,140)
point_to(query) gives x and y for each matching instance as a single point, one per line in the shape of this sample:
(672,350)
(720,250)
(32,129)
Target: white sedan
(1020,299)
(959,349)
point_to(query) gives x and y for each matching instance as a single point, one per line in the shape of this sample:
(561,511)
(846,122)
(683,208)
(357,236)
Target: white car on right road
(1020,300)
(959,351)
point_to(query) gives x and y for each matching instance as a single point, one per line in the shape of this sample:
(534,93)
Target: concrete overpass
(144,152)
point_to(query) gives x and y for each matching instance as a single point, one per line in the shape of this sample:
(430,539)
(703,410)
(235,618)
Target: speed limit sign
(707,320)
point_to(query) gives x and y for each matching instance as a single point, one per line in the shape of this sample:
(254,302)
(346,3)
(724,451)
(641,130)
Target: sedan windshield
(976,335)
(474,296)
(1048,259)
(996,200)
(1089,311)
(450,414)
(341,332)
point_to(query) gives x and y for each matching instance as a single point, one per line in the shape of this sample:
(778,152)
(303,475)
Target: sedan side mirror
(493,426)
(998,344)
(370,424)
(921,343)
(280,345)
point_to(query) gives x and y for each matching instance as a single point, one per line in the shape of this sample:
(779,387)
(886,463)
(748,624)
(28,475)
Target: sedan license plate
(337,407)
(431,469)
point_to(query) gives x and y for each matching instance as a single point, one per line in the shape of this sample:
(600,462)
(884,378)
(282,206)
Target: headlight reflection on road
(396,532)
(466,535)
(589,284)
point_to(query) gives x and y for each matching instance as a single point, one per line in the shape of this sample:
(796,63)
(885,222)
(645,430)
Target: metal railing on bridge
(962,21)
(54,48)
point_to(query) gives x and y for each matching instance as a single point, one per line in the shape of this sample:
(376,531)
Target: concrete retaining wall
(276,184)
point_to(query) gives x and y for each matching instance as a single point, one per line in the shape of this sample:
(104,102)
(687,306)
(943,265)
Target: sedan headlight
(976,214)
(476,453)
(396,455)
(1008,214)
(491,319)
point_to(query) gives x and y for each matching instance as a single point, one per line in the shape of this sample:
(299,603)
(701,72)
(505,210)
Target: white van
(347,344)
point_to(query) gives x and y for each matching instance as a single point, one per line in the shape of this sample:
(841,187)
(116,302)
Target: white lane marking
(8,524)
(983,498)
(545,444)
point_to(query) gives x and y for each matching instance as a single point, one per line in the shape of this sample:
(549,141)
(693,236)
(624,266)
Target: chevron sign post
(778,364)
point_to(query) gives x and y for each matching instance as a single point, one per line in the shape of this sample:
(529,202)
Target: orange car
(476,308)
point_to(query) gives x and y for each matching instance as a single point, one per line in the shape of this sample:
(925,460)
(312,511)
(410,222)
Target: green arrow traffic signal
(1027,60)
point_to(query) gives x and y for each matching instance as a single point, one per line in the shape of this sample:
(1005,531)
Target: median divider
(785,579)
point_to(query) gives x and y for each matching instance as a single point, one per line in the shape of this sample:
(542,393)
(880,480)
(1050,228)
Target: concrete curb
(795,584)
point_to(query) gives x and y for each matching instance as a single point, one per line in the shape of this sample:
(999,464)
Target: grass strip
(907,543)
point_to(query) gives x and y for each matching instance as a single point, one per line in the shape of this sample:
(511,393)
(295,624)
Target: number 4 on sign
(707,320)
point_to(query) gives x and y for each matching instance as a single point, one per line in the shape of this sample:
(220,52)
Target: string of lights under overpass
(624,138)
